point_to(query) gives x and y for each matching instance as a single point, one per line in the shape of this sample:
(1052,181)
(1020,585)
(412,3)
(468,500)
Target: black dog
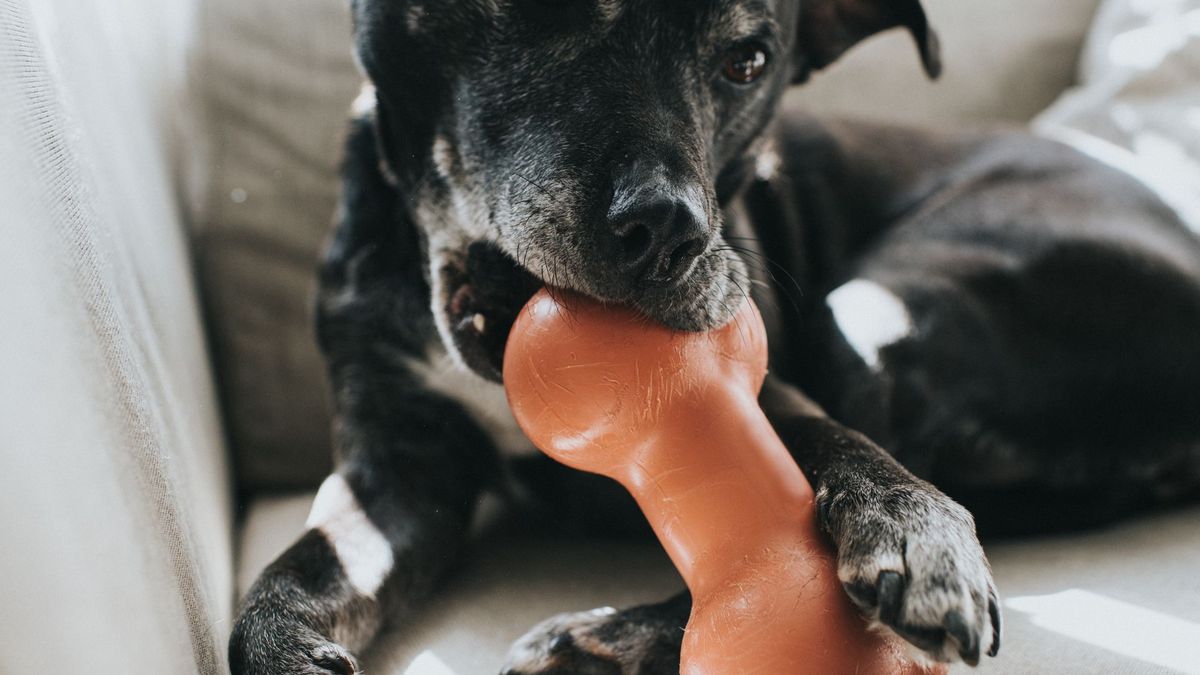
(992,313)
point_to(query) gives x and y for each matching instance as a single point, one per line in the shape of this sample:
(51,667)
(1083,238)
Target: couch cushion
(277,80)
(1004,62)
(1122,600)
(116,532)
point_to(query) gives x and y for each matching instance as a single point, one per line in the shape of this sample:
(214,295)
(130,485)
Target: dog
(990,313)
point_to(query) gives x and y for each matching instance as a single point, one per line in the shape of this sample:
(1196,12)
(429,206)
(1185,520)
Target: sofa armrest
(114,493)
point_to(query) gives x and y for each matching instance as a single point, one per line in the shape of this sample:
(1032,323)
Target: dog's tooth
(480,322)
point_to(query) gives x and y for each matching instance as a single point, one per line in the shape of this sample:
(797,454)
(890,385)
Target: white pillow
(1138,107)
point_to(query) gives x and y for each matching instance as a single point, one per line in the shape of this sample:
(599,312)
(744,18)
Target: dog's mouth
(486,292)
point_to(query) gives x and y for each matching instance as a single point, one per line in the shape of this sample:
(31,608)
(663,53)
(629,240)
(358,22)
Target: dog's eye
(745,63)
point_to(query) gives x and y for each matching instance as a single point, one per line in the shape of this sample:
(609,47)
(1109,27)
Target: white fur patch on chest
(483,399)
(870,317)
(363,551)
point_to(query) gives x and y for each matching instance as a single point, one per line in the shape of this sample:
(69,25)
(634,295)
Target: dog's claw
(865,595)
(563,642)
(967,639)
(891,597)
(335,660)
(928,639)
(994,613)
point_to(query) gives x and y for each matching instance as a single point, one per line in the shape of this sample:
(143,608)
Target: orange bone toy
(674,417)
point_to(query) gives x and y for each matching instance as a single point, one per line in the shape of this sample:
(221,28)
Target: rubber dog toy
(674,417)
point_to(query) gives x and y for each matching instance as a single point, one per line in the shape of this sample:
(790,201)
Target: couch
(167,176)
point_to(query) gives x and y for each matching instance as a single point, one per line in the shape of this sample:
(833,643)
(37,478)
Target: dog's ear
(830,27)
(405,73)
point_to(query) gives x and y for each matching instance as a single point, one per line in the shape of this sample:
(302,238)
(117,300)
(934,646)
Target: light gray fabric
(116,530)
(277,79)
(1138,106)
(1148,563)
(511,582)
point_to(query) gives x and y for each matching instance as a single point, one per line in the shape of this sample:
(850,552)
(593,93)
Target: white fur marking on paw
(427,663)
(1116,626)
(363,551)
(870,317)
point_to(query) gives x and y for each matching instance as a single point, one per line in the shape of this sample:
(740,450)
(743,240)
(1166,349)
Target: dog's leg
(411,462)
(908,555)
(381,531)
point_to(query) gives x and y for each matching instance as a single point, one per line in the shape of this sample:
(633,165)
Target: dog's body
(1006,318)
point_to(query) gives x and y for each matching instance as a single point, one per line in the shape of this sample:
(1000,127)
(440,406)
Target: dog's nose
(658,231)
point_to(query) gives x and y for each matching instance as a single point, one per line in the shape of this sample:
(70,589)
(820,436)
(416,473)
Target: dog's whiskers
(767,259)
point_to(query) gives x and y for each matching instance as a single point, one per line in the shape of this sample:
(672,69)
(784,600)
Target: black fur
(1048,379)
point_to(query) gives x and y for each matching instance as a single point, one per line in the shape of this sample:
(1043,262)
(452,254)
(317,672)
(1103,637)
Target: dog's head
(590,142)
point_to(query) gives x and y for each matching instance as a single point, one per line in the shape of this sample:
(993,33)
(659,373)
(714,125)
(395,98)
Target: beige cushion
(115,519)
(1070,599)
(1004,62)
(277,80)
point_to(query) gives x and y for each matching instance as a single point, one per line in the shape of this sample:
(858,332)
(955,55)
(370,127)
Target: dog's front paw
(598,642)
(909,558)
(282,647)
